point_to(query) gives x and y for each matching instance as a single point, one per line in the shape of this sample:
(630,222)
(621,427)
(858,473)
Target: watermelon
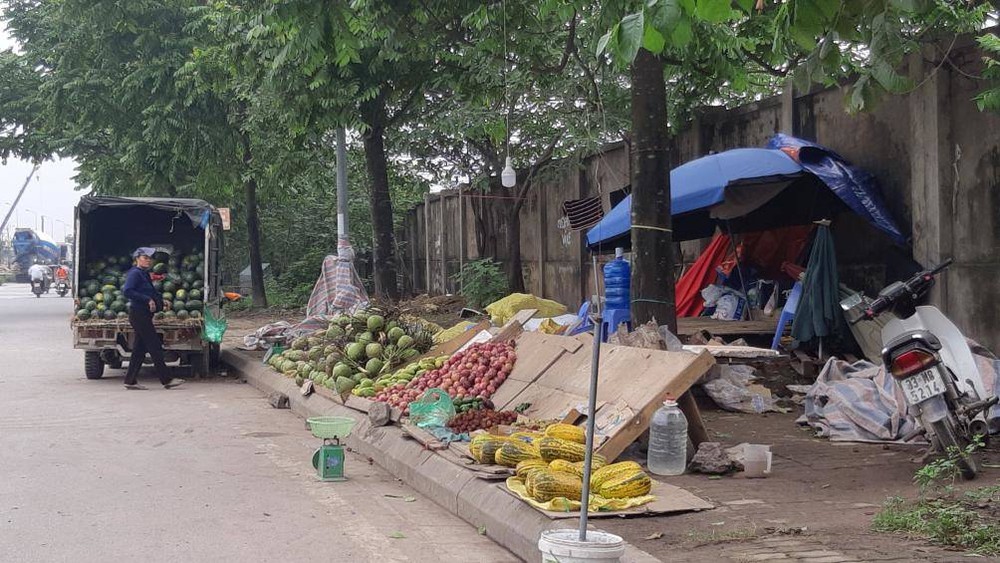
(90,305)
(167,296)
(194,314)
(194,294)
(181,294)
(195,305)
(169,314)
(158,286)
(109,314)
(159,268)
(169,287)
(83,314)
(182,314)
(122,315)
(197,284)
(179,306)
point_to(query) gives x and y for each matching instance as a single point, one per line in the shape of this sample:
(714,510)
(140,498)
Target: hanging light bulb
(508,177)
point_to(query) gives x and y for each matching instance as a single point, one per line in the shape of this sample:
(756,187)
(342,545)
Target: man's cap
(143,251)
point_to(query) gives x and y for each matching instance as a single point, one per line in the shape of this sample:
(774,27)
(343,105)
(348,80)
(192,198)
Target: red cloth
(701,274)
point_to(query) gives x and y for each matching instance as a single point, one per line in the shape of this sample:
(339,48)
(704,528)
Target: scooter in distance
(37,287)
(931,361)
(62,288)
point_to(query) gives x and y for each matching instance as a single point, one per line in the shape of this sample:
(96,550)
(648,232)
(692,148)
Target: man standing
(40,274)
(143,301)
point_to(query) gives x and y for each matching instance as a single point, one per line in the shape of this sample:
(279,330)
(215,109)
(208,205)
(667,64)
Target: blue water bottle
(617,279)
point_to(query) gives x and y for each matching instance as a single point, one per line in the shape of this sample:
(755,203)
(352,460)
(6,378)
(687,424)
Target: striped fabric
(338,289)
(860,402)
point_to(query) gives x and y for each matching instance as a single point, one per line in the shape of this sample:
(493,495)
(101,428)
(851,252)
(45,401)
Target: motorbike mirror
(851,302)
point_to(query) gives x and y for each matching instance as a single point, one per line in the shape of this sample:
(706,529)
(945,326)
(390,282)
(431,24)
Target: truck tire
(950,444)
(93,367)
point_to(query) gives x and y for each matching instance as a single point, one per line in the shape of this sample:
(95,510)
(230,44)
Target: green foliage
(482,281)
(942,472)
(989,98)
(950,521)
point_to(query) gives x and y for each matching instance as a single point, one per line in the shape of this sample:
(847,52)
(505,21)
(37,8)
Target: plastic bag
(502,310)
(214,328)
(433,408)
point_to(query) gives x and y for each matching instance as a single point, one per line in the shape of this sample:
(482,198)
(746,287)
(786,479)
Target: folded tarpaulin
(855,187)
(199,212)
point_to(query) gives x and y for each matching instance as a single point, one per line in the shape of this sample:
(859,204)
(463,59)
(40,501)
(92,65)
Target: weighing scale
(329,458)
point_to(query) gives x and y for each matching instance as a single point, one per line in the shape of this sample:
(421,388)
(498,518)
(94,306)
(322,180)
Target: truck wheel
(93,367)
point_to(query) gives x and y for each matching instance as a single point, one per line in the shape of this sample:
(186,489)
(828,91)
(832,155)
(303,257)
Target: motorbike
(932,363)
(62,288)
(37,287)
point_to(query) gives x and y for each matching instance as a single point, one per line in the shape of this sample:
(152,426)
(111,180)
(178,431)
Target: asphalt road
(208,472)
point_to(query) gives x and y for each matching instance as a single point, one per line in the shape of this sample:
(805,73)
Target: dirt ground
(820,497)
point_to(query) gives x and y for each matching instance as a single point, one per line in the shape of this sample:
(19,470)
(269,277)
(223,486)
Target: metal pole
(341,186)
(588,458)
(18,198)
(739,270)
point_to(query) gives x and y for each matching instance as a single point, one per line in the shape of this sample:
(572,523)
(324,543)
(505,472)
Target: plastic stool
(787,314)
(611,318)
(585,324)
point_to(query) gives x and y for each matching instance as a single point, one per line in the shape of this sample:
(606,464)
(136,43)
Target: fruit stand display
(355,352)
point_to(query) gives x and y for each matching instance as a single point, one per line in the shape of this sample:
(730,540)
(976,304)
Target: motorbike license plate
(923,386)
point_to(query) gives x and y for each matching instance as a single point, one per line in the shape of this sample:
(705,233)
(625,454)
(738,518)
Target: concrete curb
(480,503)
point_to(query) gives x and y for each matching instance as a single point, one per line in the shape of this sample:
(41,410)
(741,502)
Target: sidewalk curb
(507,520)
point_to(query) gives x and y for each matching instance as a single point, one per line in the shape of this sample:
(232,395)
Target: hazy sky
(51,194)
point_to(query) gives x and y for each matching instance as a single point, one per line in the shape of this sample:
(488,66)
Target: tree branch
(526,184)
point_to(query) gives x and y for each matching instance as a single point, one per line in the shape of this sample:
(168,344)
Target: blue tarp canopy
(755,189)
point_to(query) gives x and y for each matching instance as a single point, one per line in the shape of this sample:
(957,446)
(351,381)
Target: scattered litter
(732,387)
(397,535)
(481,530)
(654,536)
(743,502)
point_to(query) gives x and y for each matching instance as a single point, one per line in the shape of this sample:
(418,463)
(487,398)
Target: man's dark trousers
(145,340)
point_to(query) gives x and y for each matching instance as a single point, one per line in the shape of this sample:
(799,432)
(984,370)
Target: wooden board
(744,352)
(632,383)
(424,437)
(687,326)
(669,500)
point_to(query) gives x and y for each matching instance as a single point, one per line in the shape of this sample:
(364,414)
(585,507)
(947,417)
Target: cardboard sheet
(669,500)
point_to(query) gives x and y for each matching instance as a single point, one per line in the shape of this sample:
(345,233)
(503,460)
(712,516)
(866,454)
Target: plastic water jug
(668,440)
(617,278)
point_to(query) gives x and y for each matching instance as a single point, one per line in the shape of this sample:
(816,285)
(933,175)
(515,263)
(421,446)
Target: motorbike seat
(921,336)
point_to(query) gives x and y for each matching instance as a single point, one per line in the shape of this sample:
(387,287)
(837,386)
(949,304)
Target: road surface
(208,472)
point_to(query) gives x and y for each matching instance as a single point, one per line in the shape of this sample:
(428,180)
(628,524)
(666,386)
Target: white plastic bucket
(564,546)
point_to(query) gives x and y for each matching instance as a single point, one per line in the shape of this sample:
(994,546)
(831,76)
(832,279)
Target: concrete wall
(936,156)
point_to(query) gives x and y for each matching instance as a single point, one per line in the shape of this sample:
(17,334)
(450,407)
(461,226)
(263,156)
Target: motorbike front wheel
(949,442)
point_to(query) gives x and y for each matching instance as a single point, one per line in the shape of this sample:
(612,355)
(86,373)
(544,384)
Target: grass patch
(969,521)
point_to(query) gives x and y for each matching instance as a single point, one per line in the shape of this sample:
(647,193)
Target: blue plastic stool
(787,314)
(611,318)
(584,316)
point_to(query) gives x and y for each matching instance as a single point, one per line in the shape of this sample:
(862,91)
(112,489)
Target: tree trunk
(380,201)
(512,266)
(253,229)
(652,288)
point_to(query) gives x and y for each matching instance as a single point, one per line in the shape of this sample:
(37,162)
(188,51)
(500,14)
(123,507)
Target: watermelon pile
(100,295)
(353,350)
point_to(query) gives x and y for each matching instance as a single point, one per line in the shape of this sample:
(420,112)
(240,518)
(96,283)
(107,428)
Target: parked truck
(187,236)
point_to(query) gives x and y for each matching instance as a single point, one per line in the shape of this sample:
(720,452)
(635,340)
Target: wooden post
(461,237)
(427,242)
(441,245)
(696,426)
(540,194)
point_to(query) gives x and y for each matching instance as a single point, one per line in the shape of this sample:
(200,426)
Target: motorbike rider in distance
(39,273)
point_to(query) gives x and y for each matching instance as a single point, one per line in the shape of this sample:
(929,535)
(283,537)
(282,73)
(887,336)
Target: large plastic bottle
(617,278)
(668,439)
